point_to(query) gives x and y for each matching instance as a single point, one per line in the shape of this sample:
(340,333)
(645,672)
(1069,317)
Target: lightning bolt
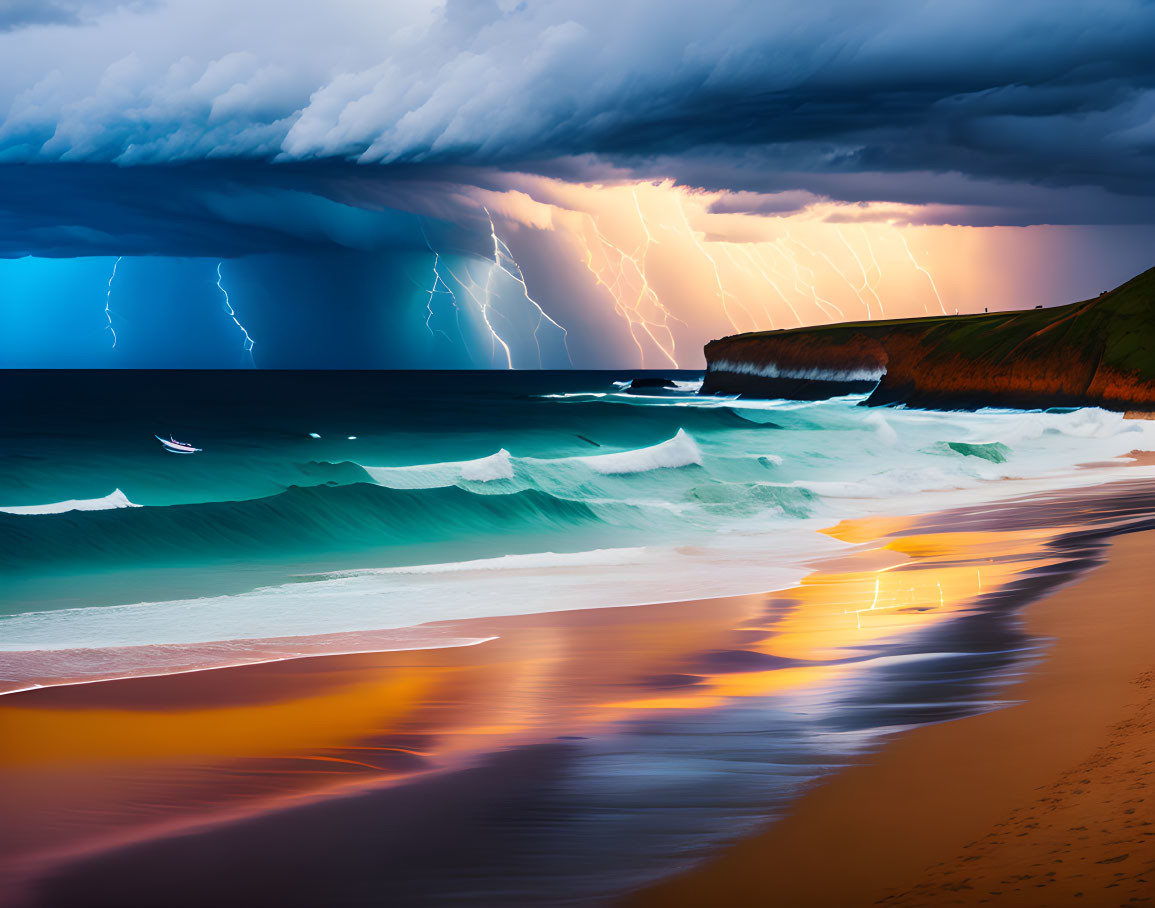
(483,305)
(504,260)
(803,285)
(108,301)
(756,282)
(862,268)
(248,342)
(722,294)
(759,261)
(613,288)
(438,286)
(763,254)
(813,290)
(482,296)
(846,280)
(755,260)
(914,262)
(646,292)
(629,305)
(874,267)
(748,254)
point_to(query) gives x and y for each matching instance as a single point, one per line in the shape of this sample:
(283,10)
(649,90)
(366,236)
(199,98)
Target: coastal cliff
(1098,352)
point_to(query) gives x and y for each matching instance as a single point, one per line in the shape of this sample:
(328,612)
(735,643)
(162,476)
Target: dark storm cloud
(946,198)
(986,111)
(234,208)
(1056,94)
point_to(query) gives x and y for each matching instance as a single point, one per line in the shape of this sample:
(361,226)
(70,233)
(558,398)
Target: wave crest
(441,475)
(303,520)
(679,451)
(115,499)
(773,370)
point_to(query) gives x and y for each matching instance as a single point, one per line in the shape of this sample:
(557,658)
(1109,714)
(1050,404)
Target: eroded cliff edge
(1098,352)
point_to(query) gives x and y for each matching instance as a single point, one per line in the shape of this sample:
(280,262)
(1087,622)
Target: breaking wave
(770,370)
(114,499)
(679,451)
(299,520)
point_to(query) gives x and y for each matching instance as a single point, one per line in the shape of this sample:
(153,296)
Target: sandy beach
(1047,802)
(334,779)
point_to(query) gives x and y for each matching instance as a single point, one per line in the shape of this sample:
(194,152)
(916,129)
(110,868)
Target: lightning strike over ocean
(722,294)
(248,341)
(482,296)
(108,300)
(505,262)
(438,287)
(657,235)
(631,303)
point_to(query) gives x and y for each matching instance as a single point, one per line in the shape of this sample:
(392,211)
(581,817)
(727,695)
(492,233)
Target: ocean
(329,503)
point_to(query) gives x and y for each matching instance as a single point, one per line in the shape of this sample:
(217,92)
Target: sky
(552,182)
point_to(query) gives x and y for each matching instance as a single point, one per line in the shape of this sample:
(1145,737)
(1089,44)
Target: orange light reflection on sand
(92,765)
(834,614)
(38,737)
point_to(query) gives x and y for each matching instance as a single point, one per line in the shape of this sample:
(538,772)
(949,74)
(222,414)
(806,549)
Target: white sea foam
(115,499)
(884,429)
(679,451)
(1086,423)
(576,394)
(772,370)
(684,386)
(534,561)
(383,599)
(438,475)
(888,483)
(487,469)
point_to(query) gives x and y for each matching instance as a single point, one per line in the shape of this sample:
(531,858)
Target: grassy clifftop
(1096,352)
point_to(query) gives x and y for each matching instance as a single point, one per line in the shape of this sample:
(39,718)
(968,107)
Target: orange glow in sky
(662,268)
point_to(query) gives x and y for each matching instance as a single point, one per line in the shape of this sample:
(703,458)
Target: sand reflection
(91,767)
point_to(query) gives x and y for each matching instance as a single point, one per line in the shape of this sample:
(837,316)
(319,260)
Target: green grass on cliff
(1118,327)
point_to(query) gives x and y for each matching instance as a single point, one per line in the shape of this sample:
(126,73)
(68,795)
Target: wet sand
(1046,803)
(344,780)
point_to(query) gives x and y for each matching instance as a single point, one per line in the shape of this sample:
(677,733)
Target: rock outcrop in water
(1099,352)
(650,386)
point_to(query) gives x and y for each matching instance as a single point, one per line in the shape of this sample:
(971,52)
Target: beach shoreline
(1045,802)
(232,755)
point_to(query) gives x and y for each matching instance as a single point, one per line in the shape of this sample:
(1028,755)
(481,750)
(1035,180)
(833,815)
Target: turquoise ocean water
(327,503)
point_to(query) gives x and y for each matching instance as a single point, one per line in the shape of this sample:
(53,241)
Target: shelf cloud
(728,95)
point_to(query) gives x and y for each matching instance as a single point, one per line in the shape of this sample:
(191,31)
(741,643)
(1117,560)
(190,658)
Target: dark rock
(652,383)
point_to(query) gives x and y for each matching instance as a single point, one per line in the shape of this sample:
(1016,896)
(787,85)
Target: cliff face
(1099,352)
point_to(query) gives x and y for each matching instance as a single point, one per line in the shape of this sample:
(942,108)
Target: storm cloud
(827,97)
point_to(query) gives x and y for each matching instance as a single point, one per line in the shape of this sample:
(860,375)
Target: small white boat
(176,447)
